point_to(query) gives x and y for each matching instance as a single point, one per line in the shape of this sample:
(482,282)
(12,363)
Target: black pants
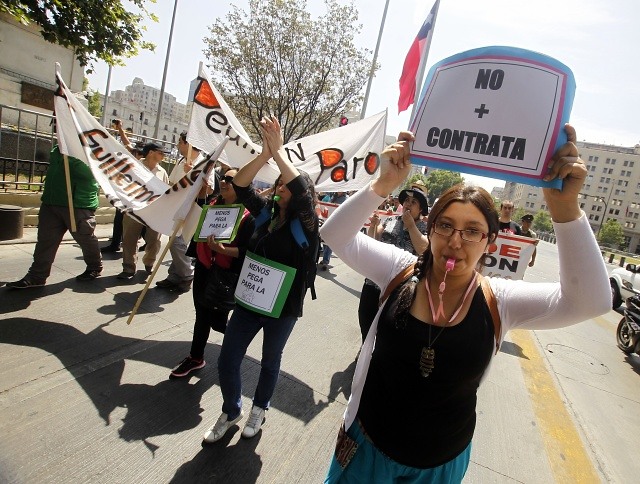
(368,307)
(207,318)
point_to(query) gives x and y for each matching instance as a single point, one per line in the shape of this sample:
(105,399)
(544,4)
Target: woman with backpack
(275,265)
(411,415)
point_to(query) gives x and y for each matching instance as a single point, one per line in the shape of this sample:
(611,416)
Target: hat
(527,217)
(152,147)
(419,194)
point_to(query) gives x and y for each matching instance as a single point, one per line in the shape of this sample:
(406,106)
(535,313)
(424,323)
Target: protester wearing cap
(526,220)
(407,231)
(181,270)
(132,229)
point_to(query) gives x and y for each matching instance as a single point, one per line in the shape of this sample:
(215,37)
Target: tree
(276,59)
(611,234)
(542,222)
(416,177)
(438,181)
(94,107)
(95,29)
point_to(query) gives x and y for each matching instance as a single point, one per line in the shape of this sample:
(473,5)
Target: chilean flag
(411,68)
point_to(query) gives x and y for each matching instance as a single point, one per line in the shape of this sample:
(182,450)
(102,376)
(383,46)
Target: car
(625,282)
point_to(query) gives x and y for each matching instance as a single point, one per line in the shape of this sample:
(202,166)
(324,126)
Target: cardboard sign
(221,221)
(325,209)
(508,256)
(495,111)
(263,285)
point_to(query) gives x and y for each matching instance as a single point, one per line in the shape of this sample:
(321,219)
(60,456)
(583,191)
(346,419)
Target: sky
(597,39)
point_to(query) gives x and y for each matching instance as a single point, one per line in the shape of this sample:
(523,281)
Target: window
(115,112)
(625,163)
(608,161)
(590,157)
(613,161)
(582,205)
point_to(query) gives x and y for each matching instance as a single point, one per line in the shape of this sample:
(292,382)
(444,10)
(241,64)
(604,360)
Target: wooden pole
(177,227)
(67,177)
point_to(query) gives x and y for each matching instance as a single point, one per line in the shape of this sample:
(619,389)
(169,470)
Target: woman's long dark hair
(478,197)
(293,206)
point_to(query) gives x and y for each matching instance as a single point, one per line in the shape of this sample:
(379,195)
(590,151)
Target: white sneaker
(216,432)
(255,421)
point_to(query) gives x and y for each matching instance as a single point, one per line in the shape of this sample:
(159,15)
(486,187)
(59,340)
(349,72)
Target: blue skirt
(370,465)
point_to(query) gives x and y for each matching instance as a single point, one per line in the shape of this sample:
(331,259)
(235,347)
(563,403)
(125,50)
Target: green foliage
(416,177)
(542,222)
(517,214)
(95,108)
(438,181)
(276,59)
(95,29)
(611,234)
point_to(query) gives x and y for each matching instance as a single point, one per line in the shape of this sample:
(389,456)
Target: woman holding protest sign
(411,415)
(217,268)
(272,283)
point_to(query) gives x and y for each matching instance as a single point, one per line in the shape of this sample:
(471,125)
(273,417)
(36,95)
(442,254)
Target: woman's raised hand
(394,165)
(566,165)
(271,134)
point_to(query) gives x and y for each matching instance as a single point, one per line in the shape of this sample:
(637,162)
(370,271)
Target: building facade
(27,68)
(611,190)
(137,107)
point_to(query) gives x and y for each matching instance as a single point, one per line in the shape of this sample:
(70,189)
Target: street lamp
(603,201)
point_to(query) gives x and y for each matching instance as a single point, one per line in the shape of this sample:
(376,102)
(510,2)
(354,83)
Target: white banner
(341,159)
(508,256)
(127,183)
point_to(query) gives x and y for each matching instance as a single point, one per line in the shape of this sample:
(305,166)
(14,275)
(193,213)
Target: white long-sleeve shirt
(582,293)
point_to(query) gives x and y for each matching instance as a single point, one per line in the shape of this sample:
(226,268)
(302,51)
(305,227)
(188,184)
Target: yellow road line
(569,460)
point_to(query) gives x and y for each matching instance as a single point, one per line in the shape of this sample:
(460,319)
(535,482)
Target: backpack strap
(262,218)
(298,233)
(490,297)
(486,290)
(395,282)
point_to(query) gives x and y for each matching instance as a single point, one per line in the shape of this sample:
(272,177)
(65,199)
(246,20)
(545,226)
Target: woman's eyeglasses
(469,235)
(227,179)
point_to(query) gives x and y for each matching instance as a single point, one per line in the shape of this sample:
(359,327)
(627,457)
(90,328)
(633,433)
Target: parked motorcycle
(628,334)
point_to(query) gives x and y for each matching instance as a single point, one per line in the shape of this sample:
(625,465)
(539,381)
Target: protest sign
(263,285)
(221,221)
(494,111)
(508,256)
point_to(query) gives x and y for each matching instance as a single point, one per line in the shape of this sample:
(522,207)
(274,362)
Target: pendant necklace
(428,354)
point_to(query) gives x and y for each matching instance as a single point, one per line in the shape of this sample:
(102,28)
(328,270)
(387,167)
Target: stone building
(611,190)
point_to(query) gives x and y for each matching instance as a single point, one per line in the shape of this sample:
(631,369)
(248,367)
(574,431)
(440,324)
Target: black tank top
(425,422)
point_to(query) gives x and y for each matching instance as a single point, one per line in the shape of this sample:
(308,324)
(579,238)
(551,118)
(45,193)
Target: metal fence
(26,139)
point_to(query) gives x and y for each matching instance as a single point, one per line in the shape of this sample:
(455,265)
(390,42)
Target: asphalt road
(84,397)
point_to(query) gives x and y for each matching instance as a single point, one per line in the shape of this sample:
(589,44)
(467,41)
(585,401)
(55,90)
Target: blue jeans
(241,329)
(326,254)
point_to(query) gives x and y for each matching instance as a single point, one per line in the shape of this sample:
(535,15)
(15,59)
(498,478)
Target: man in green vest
(54,221)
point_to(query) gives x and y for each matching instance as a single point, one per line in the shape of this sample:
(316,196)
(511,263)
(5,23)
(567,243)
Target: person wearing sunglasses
(272,251)
(213,304)
(412,411)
